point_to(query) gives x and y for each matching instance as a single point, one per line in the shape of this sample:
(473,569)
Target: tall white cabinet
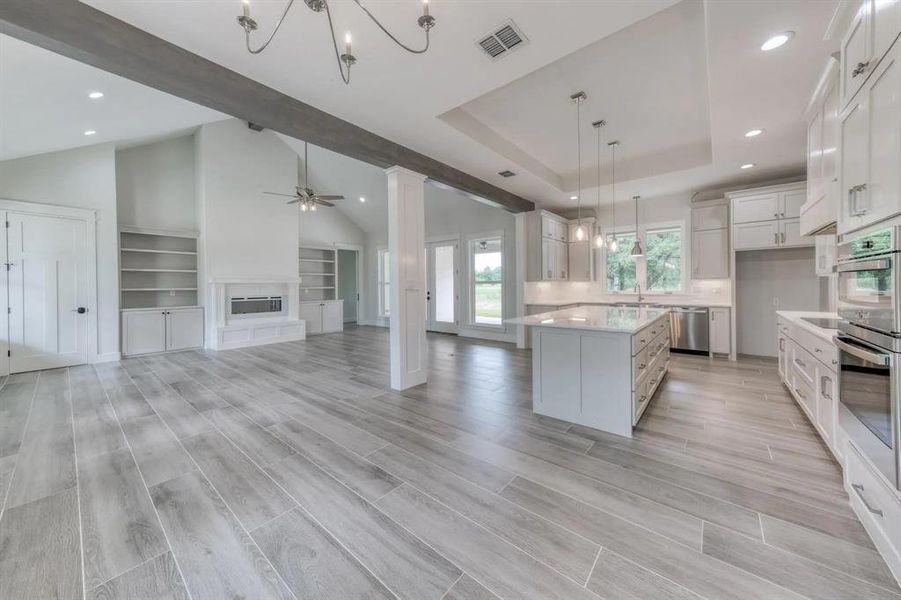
(158,274)
(547,257)
(319,306)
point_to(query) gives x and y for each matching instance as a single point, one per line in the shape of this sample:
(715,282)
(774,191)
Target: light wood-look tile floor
(292,471)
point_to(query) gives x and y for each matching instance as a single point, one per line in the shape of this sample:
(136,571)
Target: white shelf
(315,260)
(158,251)
(131,270)
(183,289)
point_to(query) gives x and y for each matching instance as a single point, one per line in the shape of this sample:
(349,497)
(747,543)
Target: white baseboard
(483,334)
(105,357)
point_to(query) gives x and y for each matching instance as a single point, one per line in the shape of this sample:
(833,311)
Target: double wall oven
(869,344)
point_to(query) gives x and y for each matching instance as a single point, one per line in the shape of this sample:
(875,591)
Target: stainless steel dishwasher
(690,329)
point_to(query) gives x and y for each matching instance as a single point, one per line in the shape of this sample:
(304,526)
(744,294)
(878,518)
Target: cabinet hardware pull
(783,237)
(817,350)
(860,68)
(823,387)
(800,363)
(859,489)
(641,366)
(782,343)
(835,362)
(775,238)
(803,397)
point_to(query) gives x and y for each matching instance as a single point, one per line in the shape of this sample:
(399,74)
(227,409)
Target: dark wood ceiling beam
(81,32)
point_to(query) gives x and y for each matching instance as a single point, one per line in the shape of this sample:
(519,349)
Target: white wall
(449,213)
(155,185)
(328,226)
(767,281)
(83,178)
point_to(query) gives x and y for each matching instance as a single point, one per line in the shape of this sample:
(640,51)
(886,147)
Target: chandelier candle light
(578,98)
(347,59)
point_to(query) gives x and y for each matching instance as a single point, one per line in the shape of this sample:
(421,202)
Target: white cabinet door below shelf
(311,312)
(184,328)
(332,316)
(143,332)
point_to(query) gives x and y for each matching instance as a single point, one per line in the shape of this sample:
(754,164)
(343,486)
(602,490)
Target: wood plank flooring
(292,471)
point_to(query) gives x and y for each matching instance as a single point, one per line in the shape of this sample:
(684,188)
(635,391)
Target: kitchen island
(598,366)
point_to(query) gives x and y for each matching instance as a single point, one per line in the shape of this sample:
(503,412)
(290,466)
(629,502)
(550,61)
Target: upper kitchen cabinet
(547,255)
(768,217)
(872,31)
(710,240)
(870,148)
(819,212)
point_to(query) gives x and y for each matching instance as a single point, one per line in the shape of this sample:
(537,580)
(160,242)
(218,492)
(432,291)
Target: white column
(406,248)
(520,225)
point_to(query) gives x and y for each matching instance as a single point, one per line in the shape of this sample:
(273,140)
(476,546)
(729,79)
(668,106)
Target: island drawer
(640,364)
(642,338)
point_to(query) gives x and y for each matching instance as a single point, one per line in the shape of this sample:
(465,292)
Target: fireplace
(247,306)
(249,311)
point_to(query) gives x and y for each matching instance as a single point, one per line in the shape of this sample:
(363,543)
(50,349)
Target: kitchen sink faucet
(638,289)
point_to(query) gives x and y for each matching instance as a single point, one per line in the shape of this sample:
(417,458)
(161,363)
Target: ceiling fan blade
(327,197)
(319,200)
(295,201)
(277,194)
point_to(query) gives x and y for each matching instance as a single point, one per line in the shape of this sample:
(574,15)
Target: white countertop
(662,302)
(595,318)
(797,318)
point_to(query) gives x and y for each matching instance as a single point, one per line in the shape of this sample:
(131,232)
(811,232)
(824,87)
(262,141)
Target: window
(384,283)
(621,271)
(664,259)
(487,281)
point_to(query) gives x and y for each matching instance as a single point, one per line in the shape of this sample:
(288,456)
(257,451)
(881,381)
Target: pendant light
(578,98)
(636,247)
(599,235)
(613,243)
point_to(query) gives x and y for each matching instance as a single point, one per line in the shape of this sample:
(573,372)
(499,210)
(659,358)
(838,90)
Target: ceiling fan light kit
(426,22)
(304,196)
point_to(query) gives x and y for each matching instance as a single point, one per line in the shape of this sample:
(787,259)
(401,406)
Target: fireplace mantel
(248,330)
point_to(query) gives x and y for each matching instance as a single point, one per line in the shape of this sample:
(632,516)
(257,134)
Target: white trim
(183,233)
(641,273)
(109,357)
(470,283)
(89,216)
(446,240)
(379,283)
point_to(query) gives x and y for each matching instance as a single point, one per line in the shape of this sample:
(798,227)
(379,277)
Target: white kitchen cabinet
(752,236)
(161,330)
(759,207)
(324,316)
(720,331)
(873,29)
(790,234)
(820,210)
(790,203)
(710,254)
(715,216)
(827,404)
(825,254)
(546,240)
(871,148)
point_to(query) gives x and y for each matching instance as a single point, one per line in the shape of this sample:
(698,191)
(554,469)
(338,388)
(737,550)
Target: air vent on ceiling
(502,40)
(506,173)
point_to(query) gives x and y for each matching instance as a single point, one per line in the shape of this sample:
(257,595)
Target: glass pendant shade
(636,249)
(598,240)
(580,233)
(613,245)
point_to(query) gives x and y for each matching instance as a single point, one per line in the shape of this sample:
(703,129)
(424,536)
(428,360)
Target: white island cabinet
(598,366)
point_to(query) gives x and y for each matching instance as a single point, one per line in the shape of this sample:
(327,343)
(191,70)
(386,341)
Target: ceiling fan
(307,198)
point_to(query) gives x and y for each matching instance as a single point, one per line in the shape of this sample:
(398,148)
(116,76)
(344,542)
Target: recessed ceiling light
(362,199)
(748,166)
(573,197)
(90,132)
(95,95)
(780,39)
(754,133)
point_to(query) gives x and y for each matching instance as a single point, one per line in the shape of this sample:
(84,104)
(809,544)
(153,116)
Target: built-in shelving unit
(157,270)
(316,268)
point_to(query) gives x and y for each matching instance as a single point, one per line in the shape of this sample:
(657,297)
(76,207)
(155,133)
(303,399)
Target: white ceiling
(45,105)
(678,84)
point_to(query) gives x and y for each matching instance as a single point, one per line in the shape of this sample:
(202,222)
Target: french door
(442,286)
(43,283)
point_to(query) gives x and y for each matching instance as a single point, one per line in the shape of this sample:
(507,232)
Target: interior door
(47,279)
(442,286)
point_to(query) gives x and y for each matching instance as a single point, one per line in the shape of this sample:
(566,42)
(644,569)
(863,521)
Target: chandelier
(347,59)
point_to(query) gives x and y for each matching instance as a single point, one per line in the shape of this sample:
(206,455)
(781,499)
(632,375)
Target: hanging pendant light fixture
(578,98)
(613,243)
(599,235)
(636,247)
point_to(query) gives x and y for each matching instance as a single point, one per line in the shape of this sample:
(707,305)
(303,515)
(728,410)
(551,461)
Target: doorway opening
(348,283)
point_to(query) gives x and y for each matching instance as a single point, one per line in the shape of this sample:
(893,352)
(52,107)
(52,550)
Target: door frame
(359,249)
(445,240)
(89,217)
